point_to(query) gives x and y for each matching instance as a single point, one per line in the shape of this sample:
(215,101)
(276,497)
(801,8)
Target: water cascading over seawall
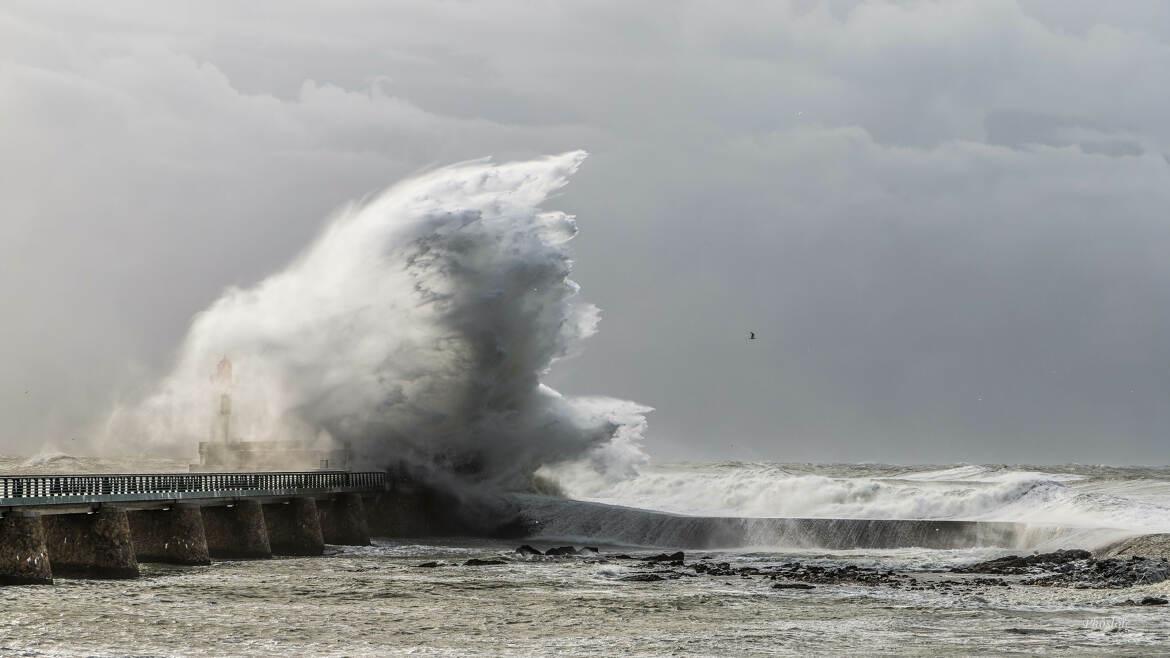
(554,518)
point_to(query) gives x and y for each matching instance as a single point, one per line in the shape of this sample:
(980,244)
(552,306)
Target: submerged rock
(1148,600)
(527,550)
(561,550)
(427,565)
(642,578)
(477,562)
(792,586)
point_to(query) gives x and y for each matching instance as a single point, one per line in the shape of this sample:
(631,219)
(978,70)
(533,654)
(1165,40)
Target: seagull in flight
(752,335)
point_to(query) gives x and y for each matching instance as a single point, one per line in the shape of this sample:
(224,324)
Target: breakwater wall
(104,526)
(568,520)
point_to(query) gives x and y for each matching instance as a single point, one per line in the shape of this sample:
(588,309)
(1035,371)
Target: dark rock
(1112,573)
(1077,569)
(427,565)
(792,586)
(720,569)
(588,550)
(1154,600)
(561,550)
(476,562)
(642,578)
(1029,631)
(528,550)
(1016,564)
(663,557)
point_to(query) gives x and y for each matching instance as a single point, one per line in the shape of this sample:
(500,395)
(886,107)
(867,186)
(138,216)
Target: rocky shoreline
(1077,569)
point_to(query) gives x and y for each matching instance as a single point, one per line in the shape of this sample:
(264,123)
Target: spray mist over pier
(414,330)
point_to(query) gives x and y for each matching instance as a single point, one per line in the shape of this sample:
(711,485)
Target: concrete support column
(24,559)
(343,521)
(175,536)
(400,513)
(236,532)
(295,527)
(94,545)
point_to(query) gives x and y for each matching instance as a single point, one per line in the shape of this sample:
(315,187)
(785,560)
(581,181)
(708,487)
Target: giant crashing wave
(415,330)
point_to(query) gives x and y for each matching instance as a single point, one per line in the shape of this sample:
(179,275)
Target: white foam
(977,473)
(49,457)
(415,329)
(962,493)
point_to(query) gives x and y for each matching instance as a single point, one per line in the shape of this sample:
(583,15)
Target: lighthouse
(221,425)
(224,452)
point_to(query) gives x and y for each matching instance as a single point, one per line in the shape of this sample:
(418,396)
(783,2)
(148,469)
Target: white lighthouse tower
(221,426)
(224,452)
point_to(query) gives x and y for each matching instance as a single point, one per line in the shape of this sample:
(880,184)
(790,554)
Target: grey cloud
(945,220)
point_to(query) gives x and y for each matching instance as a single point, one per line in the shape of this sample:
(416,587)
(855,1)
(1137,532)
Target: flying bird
(752,335)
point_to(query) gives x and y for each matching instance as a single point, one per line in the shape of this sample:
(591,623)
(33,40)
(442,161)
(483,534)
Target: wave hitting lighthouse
(221,427)
(224,452)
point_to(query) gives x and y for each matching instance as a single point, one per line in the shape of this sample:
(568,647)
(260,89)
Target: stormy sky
(947,222)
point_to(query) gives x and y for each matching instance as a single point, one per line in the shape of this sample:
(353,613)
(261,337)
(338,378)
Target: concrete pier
(294,527)
(174,535)
(238,531)
(24,559)
(343,521)
(402,512)
(95,545)
(94,525)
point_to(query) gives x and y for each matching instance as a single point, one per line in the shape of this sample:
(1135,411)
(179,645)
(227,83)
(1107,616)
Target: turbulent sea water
(371,601)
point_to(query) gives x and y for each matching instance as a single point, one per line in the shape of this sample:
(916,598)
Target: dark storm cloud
(945,220)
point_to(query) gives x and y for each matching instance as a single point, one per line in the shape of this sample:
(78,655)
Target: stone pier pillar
(96,545)
(401,512)
(343,521)
(295,527)
(238,531)
(175,536)
(24,559)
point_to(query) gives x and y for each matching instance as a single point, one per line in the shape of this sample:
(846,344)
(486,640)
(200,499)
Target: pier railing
(48,489)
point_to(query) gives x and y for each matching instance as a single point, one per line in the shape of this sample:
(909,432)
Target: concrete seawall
(1151,545)
(556,518)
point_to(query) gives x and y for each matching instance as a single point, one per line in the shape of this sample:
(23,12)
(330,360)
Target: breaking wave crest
(415,330)
(958,493)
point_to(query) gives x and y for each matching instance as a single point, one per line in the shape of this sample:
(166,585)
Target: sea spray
(1069,495)
(415,329)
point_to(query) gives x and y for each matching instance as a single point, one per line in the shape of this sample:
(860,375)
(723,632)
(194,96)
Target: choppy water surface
(377,601)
